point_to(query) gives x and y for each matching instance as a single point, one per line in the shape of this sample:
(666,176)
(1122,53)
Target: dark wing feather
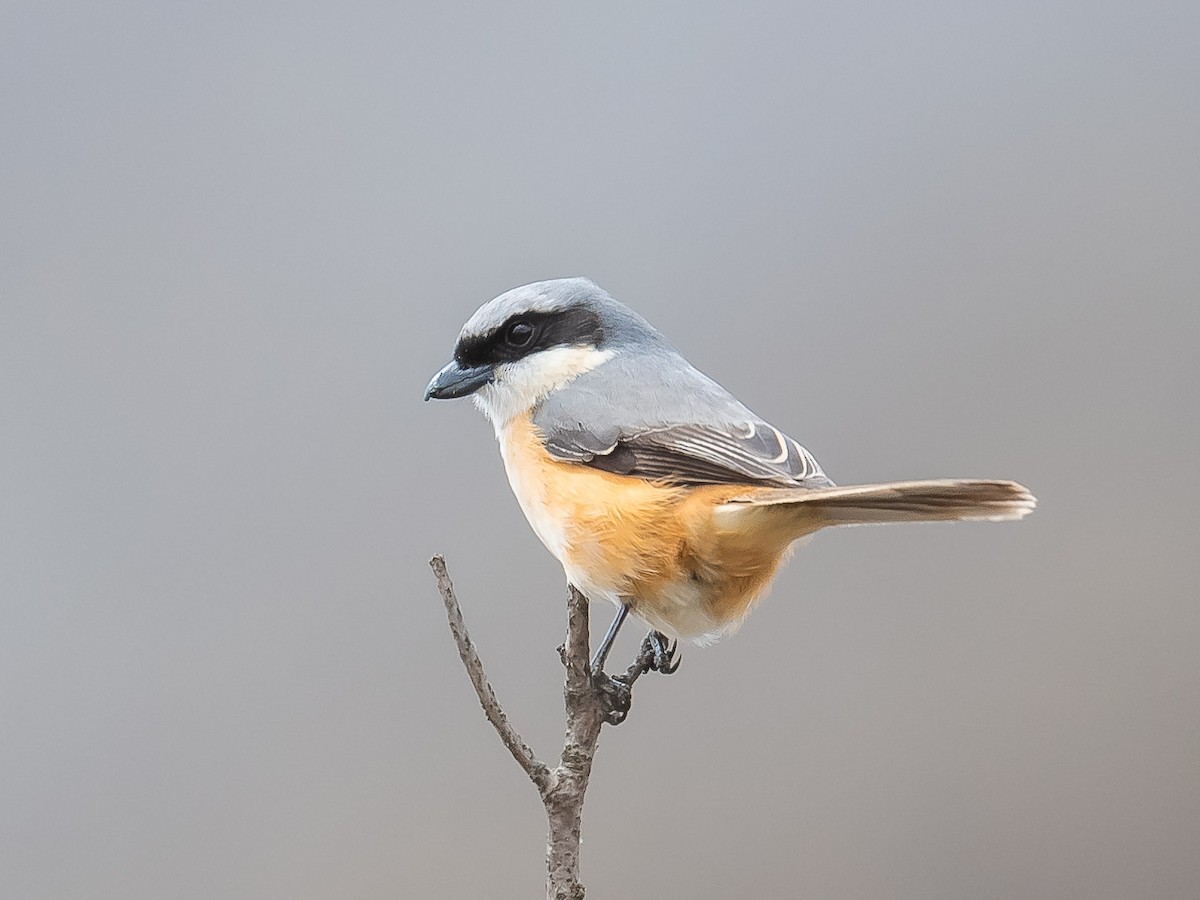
(703,454)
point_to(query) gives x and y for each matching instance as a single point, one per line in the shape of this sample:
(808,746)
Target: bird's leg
(606,644)
(617,692)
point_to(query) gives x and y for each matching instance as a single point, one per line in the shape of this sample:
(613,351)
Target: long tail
(902,501)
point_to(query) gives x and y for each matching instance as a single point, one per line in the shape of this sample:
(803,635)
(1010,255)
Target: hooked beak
(456,381)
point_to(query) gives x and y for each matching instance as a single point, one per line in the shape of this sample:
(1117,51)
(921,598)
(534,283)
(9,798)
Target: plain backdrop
(925,239)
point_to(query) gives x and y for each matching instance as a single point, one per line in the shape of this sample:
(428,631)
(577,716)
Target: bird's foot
(616,696)
(665,653)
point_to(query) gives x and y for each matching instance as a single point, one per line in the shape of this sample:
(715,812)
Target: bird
(655,488)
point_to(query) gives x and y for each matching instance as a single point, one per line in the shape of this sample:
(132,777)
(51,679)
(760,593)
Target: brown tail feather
(908,501)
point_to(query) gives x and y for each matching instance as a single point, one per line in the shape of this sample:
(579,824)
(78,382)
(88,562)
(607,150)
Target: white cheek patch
(521,384)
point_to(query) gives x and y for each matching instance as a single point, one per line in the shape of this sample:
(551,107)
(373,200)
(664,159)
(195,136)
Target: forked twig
(589,701)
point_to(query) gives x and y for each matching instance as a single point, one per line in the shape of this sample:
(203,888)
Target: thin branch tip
(538,772)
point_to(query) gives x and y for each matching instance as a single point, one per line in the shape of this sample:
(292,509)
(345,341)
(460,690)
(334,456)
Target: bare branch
(537,771)
(577,650)
(585,717)
(591,699)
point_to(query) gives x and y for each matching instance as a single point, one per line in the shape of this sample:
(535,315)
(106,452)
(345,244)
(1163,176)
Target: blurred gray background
(925,239)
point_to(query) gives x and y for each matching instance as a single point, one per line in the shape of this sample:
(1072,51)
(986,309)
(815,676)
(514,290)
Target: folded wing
(659,418)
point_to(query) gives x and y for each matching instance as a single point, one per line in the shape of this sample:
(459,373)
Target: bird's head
(531,341)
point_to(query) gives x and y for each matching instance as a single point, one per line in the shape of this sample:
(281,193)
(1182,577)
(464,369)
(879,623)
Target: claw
(665,659)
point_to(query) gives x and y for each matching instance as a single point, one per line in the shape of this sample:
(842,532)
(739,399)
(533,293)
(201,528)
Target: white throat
(521,385)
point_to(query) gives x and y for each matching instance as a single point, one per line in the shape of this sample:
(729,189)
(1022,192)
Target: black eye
(518,334)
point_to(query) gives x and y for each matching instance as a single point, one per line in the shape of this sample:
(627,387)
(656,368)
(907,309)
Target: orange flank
(688,560)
